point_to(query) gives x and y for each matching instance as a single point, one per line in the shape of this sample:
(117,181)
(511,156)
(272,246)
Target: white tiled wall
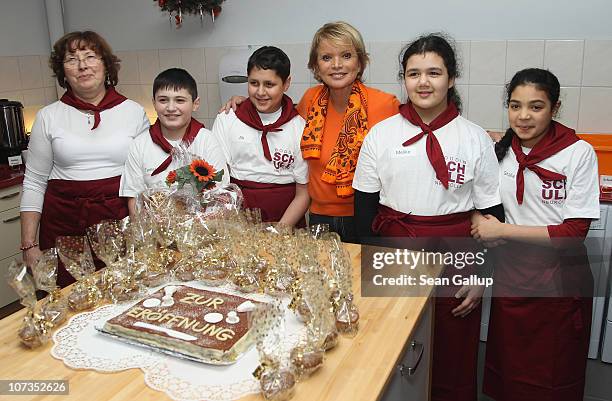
(485,105)
(570,101)
(581,66)
(487,62)
(594,112)
(29,80)
(597,56)
(564,58)
(523,54)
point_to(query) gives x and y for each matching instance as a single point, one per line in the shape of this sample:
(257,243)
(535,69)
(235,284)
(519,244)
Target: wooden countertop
(357,369)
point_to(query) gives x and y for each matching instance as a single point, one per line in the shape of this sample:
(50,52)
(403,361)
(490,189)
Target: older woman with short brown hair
(64,48)
(78,147)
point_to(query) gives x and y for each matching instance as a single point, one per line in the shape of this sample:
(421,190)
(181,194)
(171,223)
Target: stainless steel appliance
(599,243)
(606,342)
(13,138)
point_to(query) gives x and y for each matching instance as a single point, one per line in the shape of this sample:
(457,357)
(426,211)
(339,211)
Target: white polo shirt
(145,156)
(244,152)
(552,201)
(406,179)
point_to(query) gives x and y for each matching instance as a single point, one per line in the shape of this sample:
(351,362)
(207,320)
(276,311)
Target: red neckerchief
(111,99)
(247,113)
(555,140)
(158,138)
(434,151)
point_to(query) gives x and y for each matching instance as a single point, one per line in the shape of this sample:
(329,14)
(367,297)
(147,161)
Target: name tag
(15,161)
(241,138)
(402,152)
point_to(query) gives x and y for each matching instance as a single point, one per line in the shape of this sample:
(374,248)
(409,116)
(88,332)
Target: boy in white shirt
(261,142)
(175,98)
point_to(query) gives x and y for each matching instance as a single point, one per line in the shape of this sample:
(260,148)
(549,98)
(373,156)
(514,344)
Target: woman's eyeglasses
(89,61)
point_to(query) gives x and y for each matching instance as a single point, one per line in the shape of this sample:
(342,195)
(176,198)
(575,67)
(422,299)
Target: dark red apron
(72,206)
(271,199)
(540,324)
(455,342)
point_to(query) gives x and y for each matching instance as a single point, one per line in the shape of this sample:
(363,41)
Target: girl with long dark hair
(541,307)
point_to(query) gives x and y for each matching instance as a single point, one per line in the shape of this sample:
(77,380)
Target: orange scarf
(341,166)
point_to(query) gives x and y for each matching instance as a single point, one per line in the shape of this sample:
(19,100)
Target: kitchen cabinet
(411,378)
(10,238)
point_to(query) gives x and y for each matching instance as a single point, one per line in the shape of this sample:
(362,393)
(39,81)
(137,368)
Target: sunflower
(171,178)
(202,171)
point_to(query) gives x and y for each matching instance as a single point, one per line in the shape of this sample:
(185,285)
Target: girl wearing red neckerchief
(419,176)
(541,307)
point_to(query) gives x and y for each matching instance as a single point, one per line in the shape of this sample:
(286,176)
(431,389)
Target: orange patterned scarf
(341,166)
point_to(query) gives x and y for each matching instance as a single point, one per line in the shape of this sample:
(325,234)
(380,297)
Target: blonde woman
(339,113)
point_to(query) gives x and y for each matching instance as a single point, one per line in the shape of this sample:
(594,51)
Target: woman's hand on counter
(31,256)
(472,295)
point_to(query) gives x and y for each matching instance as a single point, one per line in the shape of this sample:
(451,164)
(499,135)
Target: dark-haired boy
(261,141)
(175,98)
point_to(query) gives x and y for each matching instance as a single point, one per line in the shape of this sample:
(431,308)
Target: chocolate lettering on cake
(198,299)
(201,338)
(171,320)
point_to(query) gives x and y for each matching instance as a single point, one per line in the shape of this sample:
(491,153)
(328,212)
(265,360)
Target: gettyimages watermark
(405,267)
(408,259)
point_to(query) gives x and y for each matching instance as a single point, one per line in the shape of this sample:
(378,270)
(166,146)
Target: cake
(204,325)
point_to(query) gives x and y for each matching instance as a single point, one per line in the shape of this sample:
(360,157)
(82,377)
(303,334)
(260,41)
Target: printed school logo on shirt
(283,159)
(553,192)
(245,156)
(457,168)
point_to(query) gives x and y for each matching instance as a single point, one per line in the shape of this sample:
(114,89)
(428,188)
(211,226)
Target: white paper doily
(80,346)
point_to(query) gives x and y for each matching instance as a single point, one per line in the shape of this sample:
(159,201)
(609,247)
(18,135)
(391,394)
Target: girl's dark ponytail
(501,147)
